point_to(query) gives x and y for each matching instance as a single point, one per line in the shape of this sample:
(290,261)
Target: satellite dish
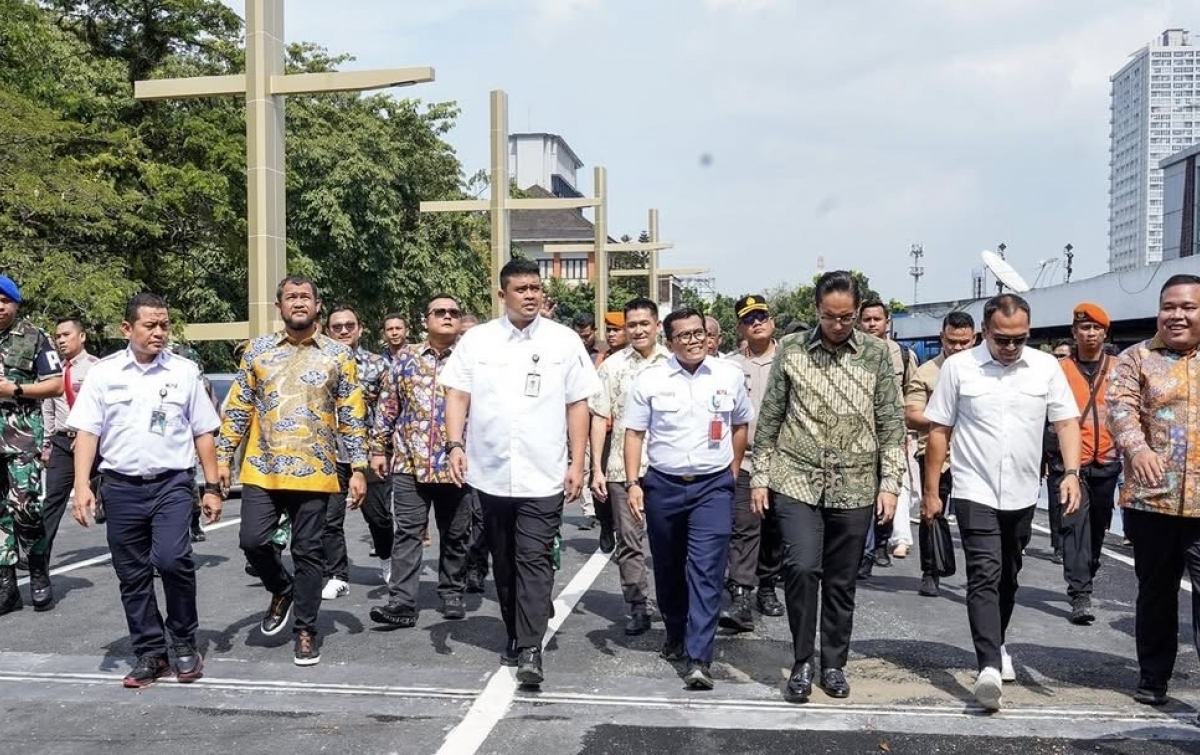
(1004,272)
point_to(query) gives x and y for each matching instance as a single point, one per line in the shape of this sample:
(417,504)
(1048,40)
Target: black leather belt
(690,478)
(65,433)
(142,479)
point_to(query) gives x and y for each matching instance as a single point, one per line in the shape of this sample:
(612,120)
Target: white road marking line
(1185,584)
(108,556)
(468,736)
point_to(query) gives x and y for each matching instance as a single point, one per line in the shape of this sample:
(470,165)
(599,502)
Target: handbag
(939,545)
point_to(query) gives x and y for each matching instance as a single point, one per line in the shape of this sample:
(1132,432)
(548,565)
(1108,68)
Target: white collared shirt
(999,415)
(616,378)
(676,408)
(516,443)
(117,403)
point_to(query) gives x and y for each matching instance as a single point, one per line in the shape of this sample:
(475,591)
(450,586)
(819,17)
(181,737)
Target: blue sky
(845,130)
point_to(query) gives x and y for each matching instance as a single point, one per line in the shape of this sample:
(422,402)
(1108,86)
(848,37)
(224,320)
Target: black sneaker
(883,559)
(865,566)
(475,577)
(395,614)
(189,663)
(673,650)
(698,676)
(1057,556)
(929,586)
(510,655)
(529,667)
(1081,610)
(148,670)
(768,602)
(738,616)
(308,651)
(639,620)
(279,612)
(453,608)
(608,540)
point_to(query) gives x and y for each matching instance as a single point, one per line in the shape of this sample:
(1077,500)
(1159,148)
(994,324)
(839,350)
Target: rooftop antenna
(916,251)
(1004,272)
(999,283)
(1070,255)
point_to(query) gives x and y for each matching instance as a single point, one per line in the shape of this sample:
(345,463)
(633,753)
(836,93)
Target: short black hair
(583,320)
(137,301)
(957,320)
(74,320)
(296,280)
(429,302)
(516,267)
(871,304)
(1063,342)
(641,302)
(1181,279)
(1005,304)
(395,316)
(679,314)
(837,281)
(343,307)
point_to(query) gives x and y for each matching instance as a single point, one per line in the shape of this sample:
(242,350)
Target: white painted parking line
(108,556)
(1185,584)
(489,708)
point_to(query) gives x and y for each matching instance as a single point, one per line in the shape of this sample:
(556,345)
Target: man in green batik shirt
(30,371)
(830,445)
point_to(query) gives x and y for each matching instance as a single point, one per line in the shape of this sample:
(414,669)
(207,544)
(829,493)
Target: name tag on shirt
(158,422)
(533,385)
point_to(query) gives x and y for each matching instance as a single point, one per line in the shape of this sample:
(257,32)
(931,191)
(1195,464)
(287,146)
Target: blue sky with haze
(846,130)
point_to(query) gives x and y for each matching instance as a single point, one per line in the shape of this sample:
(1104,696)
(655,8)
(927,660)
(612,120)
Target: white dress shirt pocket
(1029,403)
(978,401)
(119,408)
(665,403)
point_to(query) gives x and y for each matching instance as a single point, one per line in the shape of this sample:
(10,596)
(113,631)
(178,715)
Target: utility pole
(917,270)
(1070,255)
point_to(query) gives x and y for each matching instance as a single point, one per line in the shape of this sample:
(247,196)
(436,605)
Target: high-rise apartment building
(1155,112)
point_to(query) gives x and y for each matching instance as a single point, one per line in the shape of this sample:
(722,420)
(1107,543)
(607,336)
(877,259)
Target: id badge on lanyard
(716,426)
(533,380)
(158,417)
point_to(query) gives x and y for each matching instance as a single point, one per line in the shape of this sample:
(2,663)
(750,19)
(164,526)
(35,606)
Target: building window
(545,267)
(575,269)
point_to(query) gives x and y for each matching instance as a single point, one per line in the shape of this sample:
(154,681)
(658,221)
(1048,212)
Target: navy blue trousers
(689,525)
(149,527)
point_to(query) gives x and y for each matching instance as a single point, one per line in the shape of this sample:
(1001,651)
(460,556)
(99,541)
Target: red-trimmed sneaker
(148,670)
(189,663)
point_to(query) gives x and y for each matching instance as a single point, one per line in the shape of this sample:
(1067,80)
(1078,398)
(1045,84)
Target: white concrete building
(1155,112)
(545,160)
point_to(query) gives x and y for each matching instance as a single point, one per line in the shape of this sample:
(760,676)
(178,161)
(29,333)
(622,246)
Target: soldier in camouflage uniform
(30,371)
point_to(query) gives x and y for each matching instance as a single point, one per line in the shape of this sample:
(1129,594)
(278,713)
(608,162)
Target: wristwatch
(629,484)
(1071,472)
(453,444)
(212,487)
(18,391)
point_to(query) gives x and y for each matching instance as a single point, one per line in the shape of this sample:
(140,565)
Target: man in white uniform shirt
(692,413)
(524,382)
(992,403)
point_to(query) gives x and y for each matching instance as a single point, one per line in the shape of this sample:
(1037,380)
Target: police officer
(695,411)
(146,412)
(30,371)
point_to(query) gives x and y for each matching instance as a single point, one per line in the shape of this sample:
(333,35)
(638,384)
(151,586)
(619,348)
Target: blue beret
(9,289)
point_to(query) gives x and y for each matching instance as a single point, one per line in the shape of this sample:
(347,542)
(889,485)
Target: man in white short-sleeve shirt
(523,381)
(991,402)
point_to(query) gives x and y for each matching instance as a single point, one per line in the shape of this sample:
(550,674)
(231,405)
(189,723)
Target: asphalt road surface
(438,688)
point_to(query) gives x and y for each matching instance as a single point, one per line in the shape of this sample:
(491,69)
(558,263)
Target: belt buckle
(149,477)
(688,477)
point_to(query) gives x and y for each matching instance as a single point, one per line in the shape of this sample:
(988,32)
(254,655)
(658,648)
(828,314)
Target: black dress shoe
(10,596)
(1081,610)
(148,670)
(197,531)
(395,614)
(930,587)
(865,566)
(475,578)
(40,589)
(453,608)
(673,650)
(250,570)
(883,559)
(833,681)
(189,663)
(799,684)
(529,667)
(698,676)
(1150,696)
(1057,556)
(510,655)
(639,620)
(768,602)
(608,539)
(278,613)
(738,616)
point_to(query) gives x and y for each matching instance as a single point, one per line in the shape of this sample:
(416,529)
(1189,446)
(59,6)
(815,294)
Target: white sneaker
(1007,672)
(335,588)
(988,689)
(385,569)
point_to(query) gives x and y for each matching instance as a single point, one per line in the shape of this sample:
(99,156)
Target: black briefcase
(939,545)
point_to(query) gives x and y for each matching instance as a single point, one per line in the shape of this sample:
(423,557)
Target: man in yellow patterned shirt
(295,394)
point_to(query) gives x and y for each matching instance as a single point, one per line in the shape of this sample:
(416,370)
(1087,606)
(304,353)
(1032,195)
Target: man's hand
(599,484)
(358,490)
(7,388)
(760,501)
(885,507)
(83,507)
(379,465)
(46,454)
(223,479)
(573,481)
(1069,495)
(211,504)
(458,466)
(1148,469)
(931,506)
(637,503)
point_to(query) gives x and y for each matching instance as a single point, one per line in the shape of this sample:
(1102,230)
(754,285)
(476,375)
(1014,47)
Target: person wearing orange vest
(1088,371)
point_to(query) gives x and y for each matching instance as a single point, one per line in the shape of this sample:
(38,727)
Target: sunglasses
(343,327)
(441,312)
(1011,340)
(754,318)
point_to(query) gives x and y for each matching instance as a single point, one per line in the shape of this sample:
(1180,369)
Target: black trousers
(1082,534)
(261,509)
(149,527)
(755,549)
(1054,511)
(992,542)
(60,480)
(333,533)
(520,534)
(377,512)
(1164,547)
(477,545)
(945,488)
(411,502)
(821,550)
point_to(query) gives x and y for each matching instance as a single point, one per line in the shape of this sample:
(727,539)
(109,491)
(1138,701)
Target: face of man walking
(955,340)
(344,328)
(522,297)
(1006,335)
(298,306)
(1179,317)
(149,332)
(689,340)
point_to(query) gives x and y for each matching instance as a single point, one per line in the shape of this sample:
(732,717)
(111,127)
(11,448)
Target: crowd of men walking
(785,462)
